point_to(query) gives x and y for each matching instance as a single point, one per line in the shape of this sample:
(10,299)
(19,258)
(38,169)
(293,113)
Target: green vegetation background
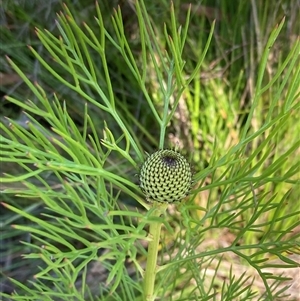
(237,121)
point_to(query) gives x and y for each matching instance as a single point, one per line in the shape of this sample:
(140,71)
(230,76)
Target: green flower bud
(165,176)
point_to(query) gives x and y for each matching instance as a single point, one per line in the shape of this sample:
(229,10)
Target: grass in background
(236,118)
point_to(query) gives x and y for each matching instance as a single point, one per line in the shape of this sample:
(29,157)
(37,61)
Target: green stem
(151,266)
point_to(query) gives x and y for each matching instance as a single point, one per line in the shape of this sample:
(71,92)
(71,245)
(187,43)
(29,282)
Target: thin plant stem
(151,266)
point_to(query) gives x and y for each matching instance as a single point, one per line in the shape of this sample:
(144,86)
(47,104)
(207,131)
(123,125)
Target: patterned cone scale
(165,176)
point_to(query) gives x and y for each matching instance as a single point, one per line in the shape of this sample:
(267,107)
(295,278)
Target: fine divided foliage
(103,87)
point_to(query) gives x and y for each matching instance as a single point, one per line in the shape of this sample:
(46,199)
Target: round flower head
(165,176)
